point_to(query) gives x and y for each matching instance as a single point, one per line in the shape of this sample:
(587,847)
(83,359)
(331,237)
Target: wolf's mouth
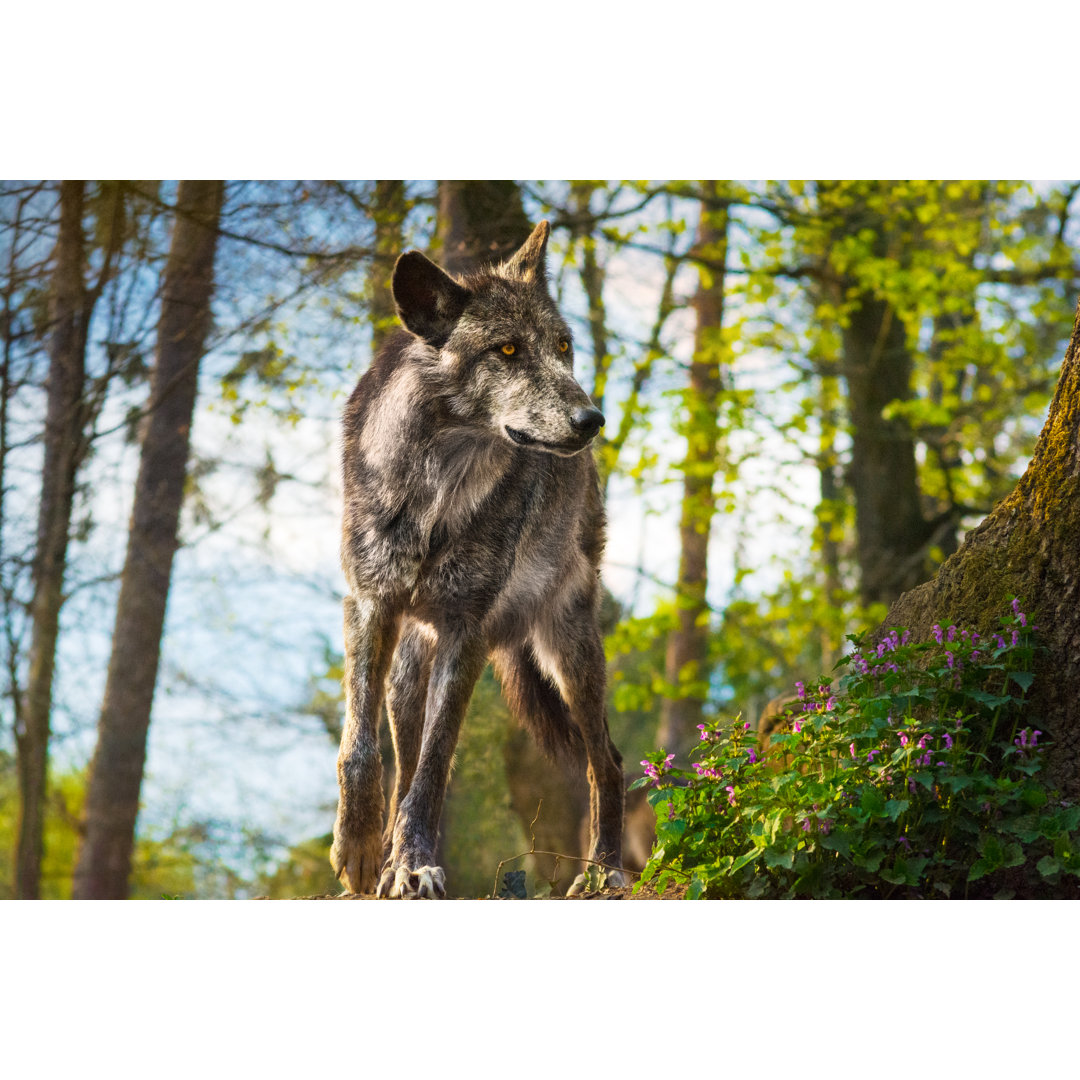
(522,439)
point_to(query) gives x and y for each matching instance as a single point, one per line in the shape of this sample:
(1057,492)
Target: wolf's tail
(536,703)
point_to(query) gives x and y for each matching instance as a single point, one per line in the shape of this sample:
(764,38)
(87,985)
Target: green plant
(918,775)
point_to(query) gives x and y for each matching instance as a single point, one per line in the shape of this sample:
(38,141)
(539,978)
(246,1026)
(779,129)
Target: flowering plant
(917,775)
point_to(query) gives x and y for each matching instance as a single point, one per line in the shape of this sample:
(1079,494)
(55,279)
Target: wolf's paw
(401,883)
(356,860)
(595,879)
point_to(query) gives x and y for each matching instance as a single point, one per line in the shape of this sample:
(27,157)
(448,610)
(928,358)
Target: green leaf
(745,859)
(782,859)
(1048,866)
(1023,679)
(895,807)
(696,890)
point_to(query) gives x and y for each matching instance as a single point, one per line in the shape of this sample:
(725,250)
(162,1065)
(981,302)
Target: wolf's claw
(425,882)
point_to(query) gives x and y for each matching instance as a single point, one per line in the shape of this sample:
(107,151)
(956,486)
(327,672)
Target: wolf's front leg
(356,854)
(411,873)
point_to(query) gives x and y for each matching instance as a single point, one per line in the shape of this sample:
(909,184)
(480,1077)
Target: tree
(686,667)
(116,771)
(1027,547)
(65,445)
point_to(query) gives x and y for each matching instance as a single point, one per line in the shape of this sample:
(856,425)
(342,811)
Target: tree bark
(388,208)
(65,446)
(1028,546)
(116,772)
(686,667)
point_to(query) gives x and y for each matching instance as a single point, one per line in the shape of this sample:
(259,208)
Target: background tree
(116,771)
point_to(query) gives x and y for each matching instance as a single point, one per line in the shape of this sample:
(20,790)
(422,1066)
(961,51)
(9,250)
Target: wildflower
(668,760)
(949,659)
(752,756)
(1023,619)
(1016,605)
(952,634)
(922,743)
(852,749)
(906,638)
(1034,737)
(870,756)
(830,704)
(796,727)
(746,726)
(1015,637)
(1000,641)
(906,842)
(730,794)
(937,633)
(903,739)
(825,825)
(704,733)
(806,825)
(911,785)
(975,654)
(800,689)
(948,741)
(671,811)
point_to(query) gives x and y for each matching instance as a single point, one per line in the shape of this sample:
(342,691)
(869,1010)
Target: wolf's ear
(527,263)
(428,299)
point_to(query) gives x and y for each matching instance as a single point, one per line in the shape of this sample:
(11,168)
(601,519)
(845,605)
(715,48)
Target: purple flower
(1000,641)
(903,739)
(870,756)
(796,727)
(806,825)
(825,824)
(906,842)
(922,743)
(937,633)
(949,659)
(1016,637)
(852,749)
(1023,619)
(730,794)
(952,633)
(948,741)
(830,704)
(671,811)
(911,784)
(704,733)
(1016,605)
(800,689)
(906,638)
(752,756)
(668,760)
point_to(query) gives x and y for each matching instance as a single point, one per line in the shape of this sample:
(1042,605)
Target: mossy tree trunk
(1028,546)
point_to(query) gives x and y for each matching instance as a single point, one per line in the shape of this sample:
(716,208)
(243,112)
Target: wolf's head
(504,351)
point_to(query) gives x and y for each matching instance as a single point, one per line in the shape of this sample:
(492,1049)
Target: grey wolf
(473,528)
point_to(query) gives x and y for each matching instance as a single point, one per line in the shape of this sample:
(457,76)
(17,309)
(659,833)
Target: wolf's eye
(564,345)
(509,349)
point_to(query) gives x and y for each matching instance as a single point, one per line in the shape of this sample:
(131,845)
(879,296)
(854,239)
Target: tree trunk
(64,448)
(891,531)
(686,667)
(116,772)
(1028,546)
(389,208)
(478,222)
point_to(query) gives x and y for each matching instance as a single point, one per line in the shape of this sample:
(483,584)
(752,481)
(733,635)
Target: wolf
(473,528)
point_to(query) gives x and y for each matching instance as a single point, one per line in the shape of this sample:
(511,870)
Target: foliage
(165,866)
(916,776)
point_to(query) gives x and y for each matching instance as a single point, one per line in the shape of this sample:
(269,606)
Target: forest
(840,467)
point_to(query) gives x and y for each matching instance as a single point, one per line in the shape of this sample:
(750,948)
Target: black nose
(587,422)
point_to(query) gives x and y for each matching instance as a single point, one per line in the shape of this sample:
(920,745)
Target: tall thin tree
(686,657)
(116,773)
(64,448)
